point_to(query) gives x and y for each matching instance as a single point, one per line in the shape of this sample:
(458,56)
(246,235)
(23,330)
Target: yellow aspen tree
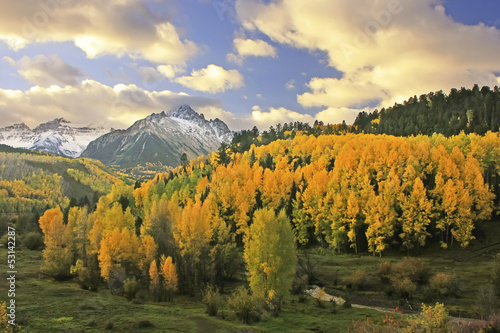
(416,216)
(463,222)
(481,195)
(148,252)
(381,213)
(154,280)
(57,255)
(352,218)
(119,250)
(271,256)
(158,223)
(169,274)
(192,236)
(223,250)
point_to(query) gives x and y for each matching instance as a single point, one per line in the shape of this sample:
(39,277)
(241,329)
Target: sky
(247,62)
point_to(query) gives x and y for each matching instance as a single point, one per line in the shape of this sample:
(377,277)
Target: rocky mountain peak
(16,127)
(187,113)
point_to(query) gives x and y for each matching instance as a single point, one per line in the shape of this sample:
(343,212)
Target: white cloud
(45,71)
(337,115)
(386,50)
(94,102)
(340,92)
(249,47)
(212,79)
(170,71)
(264,119)
(125,27)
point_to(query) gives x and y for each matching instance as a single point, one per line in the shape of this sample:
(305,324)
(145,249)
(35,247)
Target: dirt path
(340,301)
(317,293)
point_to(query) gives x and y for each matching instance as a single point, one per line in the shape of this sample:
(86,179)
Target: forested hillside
(353,192)
(364,192)
(31,182)
(475,110)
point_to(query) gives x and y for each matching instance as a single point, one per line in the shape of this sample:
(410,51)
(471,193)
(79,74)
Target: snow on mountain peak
(57,136)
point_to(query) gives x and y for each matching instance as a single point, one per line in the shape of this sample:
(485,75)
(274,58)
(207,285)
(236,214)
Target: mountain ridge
(58,136)
(160,137)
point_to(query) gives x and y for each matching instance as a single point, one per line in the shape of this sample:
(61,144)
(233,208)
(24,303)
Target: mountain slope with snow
(161,137)
(58,136)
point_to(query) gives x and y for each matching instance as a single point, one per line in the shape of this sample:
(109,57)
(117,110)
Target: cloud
(385,50)
(337,115)
(340,92)
(93,102)
(170,71)
(264,119)
(119,28)
(290,85)
(249,47)
(45,71)
(212,79)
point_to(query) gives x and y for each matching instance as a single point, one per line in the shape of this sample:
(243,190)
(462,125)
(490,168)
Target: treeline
(475,110)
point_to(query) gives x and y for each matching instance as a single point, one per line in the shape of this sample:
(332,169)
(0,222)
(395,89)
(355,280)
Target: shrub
(357,280)
(130,288)
(33,241)
(384,272)
(431,319)
(415,269)
(244,305)
(212,299)
(404,287)
(444,284)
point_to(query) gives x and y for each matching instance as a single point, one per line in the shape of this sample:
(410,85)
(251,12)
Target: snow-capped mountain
(58,136)
(161,137)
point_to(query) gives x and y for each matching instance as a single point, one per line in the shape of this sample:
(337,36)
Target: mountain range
(57,136)
(160,137)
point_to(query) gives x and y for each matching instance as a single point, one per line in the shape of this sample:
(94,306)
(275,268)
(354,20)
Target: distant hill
(160,138)
(470,110)
(30,181)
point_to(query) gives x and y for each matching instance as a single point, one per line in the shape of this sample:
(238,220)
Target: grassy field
(44,305)
(473,267)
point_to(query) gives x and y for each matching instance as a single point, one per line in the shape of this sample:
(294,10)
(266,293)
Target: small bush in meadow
(404,287)
(130,288)
(414,269)
(444,284)
(433,319)
(33,241)
(212,299)
(356,280)
(244,305)
(384,272)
